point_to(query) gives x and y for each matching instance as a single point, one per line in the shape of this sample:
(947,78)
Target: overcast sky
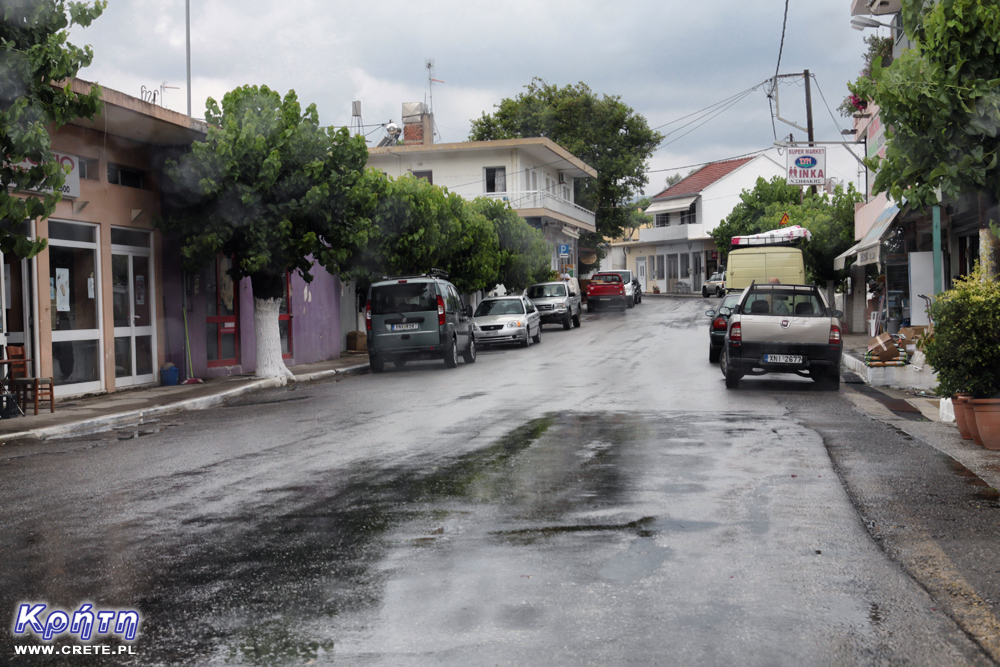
(664,58)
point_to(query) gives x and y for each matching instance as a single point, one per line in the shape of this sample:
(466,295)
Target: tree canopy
(600,130)
(38,64)
(525,256)
(829,219)
(271,188)
(940,102)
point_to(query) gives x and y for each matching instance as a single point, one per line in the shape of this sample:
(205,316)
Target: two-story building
(676,253)
(536,176)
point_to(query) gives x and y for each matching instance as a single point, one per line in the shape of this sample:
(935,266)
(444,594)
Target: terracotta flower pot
(962,408)
(970,422)
(987,412)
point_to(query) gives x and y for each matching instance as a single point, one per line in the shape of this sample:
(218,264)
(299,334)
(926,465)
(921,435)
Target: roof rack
(786,236)
(433,273)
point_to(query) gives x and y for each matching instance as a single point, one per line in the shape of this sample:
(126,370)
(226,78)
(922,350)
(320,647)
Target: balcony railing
(547,200)
(672,232)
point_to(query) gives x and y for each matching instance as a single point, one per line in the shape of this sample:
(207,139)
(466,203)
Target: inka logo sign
(805,162)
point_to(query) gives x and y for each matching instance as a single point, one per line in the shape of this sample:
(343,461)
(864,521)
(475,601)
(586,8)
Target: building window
(426,175)
(126,176)
(688,217)
(89,169)
(659,268)
(496,179)
(662,219)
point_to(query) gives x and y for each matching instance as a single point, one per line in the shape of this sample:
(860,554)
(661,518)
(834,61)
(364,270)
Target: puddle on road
(268,583)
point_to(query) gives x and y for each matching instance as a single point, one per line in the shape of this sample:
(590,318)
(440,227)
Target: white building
(676,253)
(535,175)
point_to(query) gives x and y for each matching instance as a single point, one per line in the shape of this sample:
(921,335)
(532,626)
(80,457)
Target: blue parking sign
(564,250)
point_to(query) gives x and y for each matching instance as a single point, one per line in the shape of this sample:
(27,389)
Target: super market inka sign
(806,166)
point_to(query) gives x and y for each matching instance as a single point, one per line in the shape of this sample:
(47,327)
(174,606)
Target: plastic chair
(29,388)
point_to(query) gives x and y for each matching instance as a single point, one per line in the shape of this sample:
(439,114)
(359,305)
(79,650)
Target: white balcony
(674,232)
(542,204)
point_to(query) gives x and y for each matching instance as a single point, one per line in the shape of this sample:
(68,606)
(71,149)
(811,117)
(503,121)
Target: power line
(781,47)
(702,164)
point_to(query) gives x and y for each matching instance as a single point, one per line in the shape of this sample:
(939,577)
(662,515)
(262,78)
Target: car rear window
(606,278)
(500,307)
(403,298)
(783,302)
(542,291)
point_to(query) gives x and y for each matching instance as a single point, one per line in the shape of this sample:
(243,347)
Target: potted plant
(964,350)
(656,287)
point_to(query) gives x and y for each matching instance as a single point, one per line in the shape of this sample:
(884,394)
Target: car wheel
(538,335)
(451,354)
(732,377)
(567,321)
(630,303)
(713,353)
(590,307)
(527,338)
(576,320)
(470,354)
(638,299)
(704,293)
(720,292)
(827,379)
(376,363)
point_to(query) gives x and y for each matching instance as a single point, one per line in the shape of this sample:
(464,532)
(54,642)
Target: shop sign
(71,188)
(868,255)
(806,166)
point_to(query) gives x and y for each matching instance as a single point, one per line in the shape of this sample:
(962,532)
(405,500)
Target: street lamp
(863,22)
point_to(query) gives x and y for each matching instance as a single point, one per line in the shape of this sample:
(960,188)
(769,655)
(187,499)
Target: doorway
(640,272)
(132,299)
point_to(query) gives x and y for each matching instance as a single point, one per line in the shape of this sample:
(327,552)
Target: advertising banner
(806,166)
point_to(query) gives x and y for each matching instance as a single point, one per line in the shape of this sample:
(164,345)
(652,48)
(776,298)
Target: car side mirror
(572,293)
(710,314)
(468,311)
(726,311)
(839,314)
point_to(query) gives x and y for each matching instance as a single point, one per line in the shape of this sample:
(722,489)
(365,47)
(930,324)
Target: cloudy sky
(665,58)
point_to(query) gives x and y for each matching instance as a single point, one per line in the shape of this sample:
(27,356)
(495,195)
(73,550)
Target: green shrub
(964,349)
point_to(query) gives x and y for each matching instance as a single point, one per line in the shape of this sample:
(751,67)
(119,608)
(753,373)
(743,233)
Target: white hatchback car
(507,319)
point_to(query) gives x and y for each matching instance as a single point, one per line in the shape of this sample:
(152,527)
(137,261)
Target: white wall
(718,200)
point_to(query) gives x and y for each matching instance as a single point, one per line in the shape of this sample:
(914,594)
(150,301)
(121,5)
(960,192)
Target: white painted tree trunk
(265,323)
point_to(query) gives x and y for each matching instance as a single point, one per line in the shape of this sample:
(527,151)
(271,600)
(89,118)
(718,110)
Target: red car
(606,289)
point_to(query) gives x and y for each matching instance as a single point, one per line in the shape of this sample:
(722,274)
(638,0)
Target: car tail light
(368,316)
(440,311)
(736,334)
(834,334)
(719,324)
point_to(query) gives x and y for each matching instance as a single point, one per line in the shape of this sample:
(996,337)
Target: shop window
(221,315)
(126,176)
(73,288)
(285,319)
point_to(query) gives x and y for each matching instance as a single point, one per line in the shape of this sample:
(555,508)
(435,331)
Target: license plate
(405,327)
(490,333)
(783,358)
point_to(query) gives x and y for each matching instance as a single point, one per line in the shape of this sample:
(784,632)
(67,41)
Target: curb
(108,422)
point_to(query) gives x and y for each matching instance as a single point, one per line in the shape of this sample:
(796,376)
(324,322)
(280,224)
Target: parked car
(606,289)
(557,302)
(507,319)
(779,328)
(632,289)
(716,284)
(719,317)
(417,317)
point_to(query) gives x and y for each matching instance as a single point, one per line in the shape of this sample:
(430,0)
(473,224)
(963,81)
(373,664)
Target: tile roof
(701,179)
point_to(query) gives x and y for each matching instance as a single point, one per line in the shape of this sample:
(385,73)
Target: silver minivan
(417,317)
(558,302)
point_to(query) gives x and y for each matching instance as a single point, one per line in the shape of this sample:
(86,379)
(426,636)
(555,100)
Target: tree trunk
(988,252)
(268,337)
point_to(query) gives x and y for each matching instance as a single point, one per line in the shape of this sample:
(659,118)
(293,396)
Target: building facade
(675,253)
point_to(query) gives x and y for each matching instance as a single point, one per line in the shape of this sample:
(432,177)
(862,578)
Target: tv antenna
(429,65)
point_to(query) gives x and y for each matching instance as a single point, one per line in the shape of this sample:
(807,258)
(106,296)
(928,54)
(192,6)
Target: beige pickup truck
(779,328)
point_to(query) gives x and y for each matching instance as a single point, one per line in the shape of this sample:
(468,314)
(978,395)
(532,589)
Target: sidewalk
(77,416)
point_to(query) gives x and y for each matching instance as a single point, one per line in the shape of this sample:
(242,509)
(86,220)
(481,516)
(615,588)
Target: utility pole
(187,21)
(809,118)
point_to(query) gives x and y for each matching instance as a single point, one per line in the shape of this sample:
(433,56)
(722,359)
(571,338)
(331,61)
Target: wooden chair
(29,388)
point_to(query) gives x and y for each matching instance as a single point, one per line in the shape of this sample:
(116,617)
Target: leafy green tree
(35,59)
(418,227)
(755,213)
(602,131)
(525,256)
(273,190)
(940,100)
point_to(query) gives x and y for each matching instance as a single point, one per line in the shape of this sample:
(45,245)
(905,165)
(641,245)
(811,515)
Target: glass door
(222,335)
(133,314)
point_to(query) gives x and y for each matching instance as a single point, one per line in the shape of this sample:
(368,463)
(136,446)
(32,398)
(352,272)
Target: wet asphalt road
(599,498)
